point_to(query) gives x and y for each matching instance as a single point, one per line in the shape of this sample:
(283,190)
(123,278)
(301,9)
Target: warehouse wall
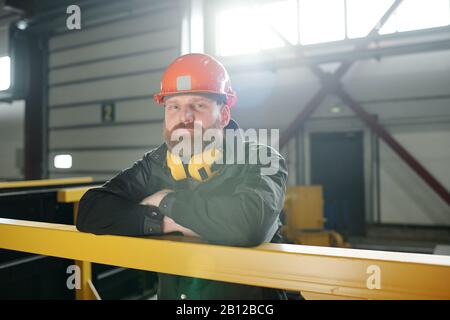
(11,140)
(4,36)
(420,124)
(117,61)
(120,60)
(6,17)
(410,94)
(11,115)
(405,197)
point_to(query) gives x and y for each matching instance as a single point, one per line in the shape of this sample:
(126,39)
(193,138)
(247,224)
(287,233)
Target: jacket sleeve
(240,213)
(114,208)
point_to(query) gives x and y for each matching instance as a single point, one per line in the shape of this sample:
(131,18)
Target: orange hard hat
(196,73)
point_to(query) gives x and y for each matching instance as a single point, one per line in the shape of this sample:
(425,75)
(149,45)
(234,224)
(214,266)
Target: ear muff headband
(200,166)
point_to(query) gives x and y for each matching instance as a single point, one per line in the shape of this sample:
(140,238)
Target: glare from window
(196,27)
(321,21)
(282,16)
(248,29)
(237,30)
(5,73)
(62,161)
(362,15)
(418,14)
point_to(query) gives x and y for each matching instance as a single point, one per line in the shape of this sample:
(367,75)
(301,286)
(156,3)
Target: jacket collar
(158,154)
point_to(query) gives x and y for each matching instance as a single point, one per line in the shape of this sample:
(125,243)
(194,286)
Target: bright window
(5,73)
(248,29)
(418,14)
(321,21)
(362,15)
(237,32)
(282,16)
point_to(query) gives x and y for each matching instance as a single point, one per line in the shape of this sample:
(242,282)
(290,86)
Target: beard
(193,142)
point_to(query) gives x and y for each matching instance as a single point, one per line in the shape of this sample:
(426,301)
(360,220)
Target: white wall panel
(132,110)
(405,198)
(12,129)
(153,40)
(136,135)
(134,63)
(116,88)
(4,40)
(90,114)
(124,60)
(271,99)
(411,75)
(154,17)
(291,163)
(101,160)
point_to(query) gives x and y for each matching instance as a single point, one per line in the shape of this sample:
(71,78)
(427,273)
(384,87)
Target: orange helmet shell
(196,73)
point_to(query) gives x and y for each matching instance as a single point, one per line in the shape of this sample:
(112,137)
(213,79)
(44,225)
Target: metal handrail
(318,272)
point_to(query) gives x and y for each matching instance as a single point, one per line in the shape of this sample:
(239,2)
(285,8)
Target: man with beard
(191,189)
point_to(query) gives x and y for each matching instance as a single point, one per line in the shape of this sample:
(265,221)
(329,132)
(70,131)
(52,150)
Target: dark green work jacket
(238,206)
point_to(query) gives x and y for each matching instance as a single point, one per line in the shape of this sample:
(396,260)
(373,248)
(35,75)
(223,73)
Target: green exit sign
(108,112)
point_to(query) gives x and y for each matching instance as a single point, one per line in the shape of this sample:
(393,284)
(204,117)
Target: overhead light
(335,109)
(5,73)
(22,24)
(62,161)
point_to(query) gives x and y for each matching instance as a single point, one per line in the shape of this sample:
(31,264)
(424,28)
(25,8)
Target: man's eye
(200,106)
(173,107)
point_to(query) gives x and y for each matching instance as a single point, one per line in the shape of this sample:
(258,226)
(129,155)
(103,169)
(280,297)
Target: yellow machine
(303,209)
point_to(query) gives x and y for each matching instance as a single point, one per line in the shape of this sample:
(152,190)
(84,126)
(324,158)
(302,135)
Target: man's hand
(169,225)
(155,199)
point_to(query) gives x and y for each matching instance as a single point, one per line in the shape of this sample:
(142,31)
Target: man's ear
(225,115)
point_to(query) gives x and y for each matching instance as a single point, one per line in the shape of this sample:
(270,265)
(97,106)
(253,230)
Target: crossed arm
(243,211)
(168,224)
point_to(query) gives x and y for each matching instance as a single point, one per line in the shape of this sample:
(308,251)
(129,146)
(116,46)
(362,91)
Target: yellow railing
(73,195)
(66,195)
(318,272)
(44,182)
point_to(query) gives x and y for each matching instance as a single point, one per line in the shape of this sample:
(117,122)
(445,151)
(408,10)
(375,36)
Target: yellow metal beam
(74,194)
(318,271)
(68,195)
(44,182)
(87,290)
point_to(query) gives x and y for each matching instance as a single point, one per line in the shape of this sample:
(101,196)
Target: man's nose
(187,116)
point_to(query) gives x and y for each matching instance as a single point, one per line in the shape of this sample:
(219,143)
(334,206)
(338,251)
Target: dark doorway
(337,165)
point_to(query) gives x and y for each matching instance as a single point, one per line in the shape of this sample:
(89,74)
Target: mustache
(189,125)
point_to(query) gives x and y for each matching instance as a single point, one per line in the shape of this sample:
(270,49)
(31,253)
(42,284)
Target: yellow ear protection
(201,166)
